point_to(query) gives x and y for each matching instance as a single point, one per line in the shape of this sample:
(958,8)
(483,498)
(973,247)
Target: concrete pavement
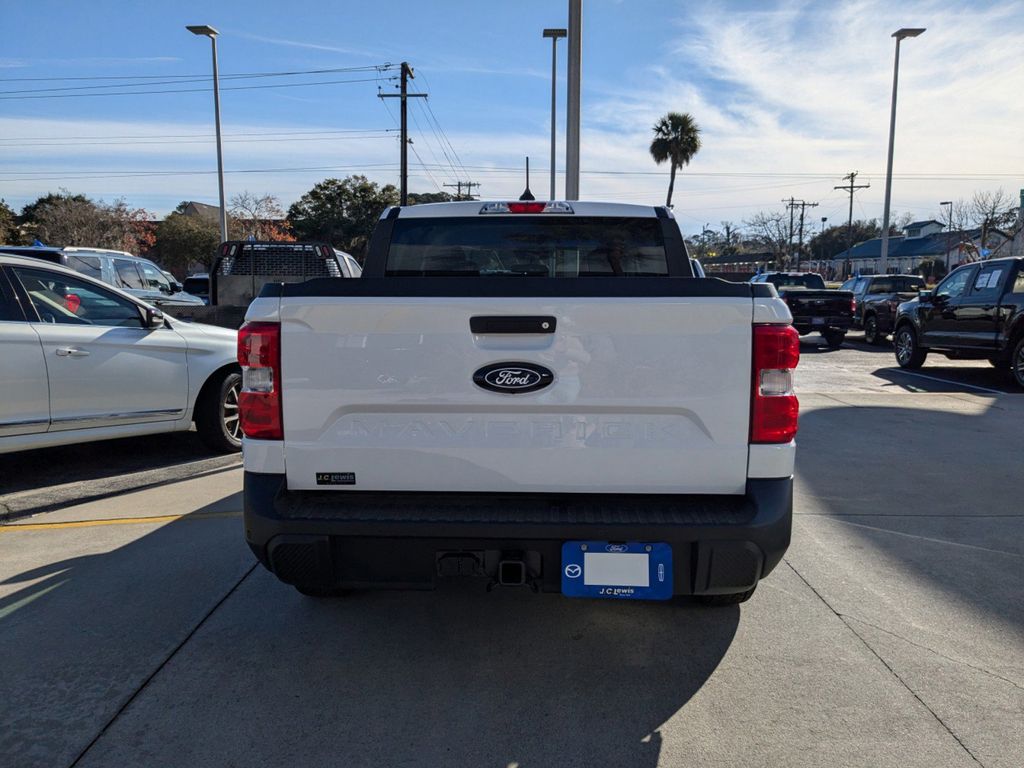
(891,635)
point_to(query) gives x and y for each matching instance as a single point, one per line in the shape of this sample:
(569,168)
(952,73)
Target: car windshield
(536,246)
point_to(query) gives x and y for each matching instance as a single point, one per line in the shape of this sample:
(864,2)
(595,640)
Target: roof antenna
(527,195)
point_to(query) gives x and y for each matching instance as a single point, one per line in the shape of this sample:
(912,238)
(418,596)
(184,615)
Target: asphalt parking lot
(135,629)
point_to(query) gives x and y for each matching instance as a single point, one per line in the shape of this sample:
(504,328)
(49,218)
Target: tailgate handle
(512,324)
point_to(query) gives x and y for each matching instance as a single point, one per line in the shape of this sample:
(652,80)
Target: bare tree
(731,238)
(260,217)
(992,210)
(771,230)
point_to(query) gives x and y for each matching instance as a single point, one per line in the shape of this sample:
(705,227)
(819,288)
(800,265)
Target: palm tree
(676,139)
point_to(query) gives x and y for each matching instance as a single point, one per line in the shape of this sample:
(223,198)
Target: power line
(437,122)
(195,135)
(237,140)
(367,68)
(440,143)
(189,90)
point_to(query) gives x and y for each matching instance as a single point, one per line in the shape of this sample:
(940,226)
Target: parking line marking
(116,521)
(947,381)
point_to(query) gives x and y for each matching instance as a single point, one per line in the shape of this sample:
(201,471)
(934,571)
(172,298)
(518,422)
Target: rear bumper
(806,324)
(720,544)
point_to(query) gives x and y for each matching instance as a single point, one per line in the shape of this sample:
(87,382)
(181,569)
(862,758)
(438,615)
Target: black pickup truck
(976,313)
(242,269)
(813,306)
(876,298)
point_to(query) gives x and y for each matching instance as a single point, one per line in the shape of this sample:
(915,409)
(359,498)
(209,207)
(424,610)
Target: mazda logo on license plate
(513,378)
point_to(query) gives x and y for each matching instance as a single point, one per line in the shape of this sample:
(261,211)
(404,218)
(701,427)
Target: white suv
(84,361)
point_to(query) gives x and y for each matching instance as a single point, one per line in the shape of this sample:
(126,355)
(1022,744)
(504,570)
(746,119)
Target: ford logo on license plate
(513,378)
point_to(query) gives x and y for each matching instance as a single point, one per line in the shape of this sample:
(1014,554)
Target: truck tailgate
(650,395)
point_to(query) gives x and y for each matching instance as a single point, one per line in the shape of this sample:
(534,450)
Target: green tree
(183,242)
(342,212)
(419,198)
(65,219)
(8,224)
(677,140)
(30,211)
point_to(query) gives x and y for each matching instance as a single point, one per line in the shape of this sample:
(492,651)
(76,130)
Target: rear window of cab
(535,246)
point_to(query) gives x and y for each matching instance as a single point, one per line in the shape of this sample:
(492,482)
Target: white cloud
(789,101)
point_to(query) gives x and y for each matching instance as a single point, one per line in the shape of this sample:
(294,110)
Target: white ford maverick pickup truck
(522,393)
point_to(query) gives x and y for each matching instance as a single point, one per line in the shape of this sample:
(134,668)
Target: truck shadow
(272,677)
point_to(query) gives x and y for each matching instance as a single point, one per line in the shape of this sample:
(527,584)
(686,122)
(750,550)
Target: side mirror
(154,318)
(176,287)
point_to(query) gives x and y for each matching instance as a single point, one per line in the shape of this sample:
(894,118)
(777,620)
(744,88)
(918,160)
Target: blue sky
(790,96)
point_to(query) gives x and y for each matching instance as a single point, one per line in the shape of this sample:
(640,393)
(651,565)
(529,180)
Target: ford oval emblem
(513,378)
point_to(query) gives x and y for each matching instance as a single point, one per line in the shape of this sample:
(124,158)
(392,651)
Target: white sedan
(82,361)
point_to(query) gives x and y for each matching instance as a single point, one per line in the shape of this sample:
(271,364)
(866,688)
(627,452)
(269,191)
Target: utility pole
(404,95)
(800,247)
(459,185)
(789,242)
(572,113)
(851,188)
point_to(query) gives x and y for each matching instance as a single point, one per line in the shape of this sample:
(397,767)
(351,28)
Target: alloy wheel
(904,346)
(229,411)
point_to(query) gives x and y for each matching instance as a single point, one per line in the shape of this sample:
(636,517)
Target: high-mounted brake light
(774,409)
(526,207)
(259,403)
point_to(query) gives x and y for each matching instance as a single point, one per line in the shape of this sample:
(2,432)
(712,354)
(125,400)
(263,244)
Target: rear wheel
(834,339)
(909,354)
(871,334)
(734,598)
(1017,363)
(216,414)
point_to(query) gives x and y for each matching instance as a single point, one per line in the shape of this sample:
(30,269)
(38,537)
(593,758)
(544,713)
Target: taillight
(853,306)
(259,403)
(773,406)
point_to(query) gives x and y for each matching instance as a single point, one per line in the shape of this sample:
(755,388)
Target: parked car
(140,277)
(85,361)
(814,307)
(526,394)
(876,298)
(975,313)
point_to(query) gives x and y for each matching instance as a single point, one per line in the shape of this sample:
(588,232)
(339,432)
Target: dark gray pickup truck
(813,306)
(876,298)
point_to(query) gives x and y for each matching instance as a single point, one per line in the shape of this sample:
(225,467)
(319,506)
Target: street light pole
(572,110)
(210,32)
(554,34)
(899,34)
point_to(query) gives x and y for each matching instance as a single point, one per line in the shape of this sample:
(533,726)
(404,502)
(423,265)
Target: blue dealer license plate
(625,571)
